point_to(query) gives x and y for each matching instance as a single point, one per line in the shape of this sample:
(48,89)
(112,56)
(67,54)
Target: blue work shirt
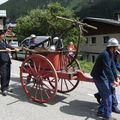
(4,56)
(104,68)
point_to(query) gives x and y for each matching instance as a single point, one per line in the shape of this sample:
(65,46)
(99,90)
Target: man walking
(105,78)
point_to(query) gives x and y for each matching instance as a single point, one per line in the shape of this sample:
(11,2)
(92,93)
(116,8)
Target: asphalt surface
(79,104)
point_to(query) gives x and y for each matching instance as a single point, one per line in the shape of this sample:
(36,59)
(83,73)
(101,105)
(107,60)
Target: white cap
(112,42)
(56,38)
(52,48)
(33,36)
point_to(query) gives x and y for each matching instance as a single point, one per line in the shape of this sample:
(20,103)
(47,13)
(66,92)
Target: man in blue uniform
(105,78)
(117,63)
(5,64)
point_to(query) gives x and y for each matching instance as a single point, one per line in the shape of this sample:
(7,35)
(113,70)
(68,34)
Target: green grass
(86,66)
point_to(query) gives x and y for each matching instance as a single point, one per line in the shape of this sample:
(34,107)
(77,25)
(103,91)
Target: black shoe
(116,110)
(4,93)
(9,90)
(99,114)
(97,96)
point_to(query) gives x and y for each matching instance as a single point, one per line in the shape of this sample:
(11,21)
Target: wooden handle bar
(43,51)
(27,49)
(4,50)
(11,50)
(84,24)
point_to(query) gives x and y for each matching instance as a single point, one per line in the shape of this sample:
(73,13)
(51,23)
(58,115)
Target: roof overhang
(103,20)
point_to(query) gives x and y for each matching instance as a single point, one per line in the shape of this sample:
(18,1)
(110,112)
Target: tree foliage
(44,22)
(17,8)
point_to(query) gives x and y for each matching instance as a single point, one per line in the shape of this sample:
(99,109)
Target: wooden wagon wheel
(65,85)
(34,74)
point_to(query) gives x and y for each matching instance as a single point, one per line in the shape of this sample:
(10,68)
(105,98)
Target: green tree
(44,22)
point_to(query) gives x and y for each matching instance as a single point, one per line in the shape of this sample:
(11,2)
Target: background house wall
(96,40)
(90,50)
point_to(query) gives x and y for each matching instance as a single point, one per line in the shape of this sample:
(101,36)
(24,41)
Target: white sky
(2,1)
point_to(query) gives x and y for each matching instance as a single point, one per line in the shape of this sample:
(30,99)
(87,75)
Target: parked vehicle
(40,41)
(14,43)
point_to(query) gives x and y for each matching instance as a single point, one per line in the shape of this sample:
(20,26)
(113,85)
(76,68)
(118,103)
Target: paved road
(76,105)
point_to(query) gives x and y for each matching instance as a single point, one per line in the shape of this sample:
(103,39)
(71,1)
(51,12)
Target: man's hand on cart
(17,49)
(118,80)
(116,83)
(8,49)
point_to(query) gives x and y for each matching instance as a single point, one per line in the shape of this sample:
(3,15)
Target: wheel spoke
(39,66)
(29,70)
(47,87)
(44,90)
(36,91)
(31,88)
(35,67)
(41,94)
(66,84)
(71,83)
(61,83)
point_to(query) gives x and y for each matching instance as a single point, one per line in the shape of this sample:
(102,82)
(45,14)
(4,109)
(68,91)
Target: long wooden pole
(4,50)
(11,50)
(78,22)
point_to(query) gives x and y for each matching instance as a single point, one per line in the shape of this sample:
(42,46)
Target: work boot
(100,114)
(110,118)
(116,110)
(9,90)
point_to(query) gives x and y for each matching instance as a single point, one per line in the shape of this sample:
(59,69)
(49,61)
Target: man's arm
(108,69)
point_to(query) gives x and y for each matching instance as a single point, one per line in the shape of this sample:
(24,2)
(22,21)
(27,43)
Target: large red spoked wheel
(65,85)
(34,74)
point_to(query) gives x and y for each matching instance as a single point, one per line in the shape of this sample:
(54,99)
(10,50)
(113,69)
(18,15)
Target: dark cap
(2,32)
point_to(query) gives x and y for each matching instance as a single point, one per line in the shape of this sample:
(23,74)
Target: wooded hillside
(82,8)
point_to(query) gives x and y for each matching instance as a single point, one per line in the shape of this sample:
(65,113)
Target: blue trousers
(108,95)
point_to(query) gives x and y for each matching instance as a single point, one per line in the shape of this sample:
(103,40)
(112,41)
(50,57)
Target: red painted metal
(83,76)
(54,58)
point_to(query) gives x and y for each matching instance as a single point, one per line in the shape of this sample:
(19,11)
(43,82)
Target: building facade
(96,40)
(2,19)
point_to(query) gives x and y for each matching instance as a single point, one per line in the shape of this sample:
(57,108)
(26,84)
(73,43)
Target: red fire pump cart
(47,71)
